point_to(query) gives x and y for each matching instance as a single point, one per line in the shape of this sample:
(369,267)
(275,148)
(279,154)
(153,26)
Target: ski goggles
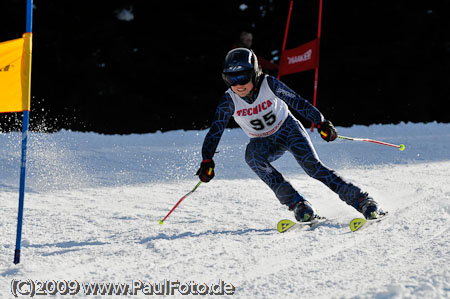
(241,78)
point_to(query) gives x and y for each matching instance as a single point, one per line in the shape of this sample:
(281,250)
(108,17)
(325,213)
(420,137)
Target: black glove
(206,170)
(327,131)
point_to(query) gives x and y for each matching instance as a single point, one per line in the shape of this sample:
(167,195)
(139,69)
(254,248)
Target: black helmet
(240,66)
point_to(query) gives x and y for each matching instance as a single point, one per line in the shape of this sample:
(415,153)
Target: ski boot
(303,211)
(369,208)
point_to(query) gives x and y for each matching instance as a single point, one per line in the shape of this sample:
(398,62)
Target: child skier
(259,104)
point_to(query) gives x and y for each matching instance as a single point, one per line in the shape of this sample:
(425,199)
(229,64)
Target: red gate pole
(286,33)
(316,76)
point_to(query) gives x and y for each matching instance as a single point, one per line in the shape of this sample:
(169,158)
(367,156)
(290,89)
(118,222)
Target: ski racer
(260,106)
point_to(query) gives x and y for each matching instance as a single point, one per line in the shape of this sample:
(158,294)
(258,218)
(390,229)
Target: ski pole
(192,191)
(401,147)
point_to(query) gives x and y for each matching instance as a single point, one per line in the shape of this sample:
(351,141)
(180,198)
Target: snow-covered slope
(93,203)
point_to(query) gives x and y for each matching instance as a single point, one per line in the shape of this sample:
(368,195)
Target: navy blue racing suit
(291,136)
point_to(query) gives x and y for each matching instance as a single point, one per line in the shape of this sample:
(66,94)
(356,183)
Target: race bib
(264,116)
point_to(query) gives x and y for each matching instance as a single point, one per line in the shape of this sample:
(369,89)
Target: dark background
(380,61)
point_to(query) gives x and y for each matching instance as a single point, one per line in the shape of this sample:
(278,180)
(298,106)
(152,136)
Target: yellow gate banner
(15,74)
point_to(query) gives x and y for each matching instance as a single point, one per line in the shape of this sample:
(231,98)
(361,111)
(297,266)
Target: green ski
(287,225)
(358,223)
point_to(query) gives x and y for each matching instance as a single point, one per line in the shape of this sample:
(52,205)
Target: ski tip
(356,224)
(284,225)
(160,221)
